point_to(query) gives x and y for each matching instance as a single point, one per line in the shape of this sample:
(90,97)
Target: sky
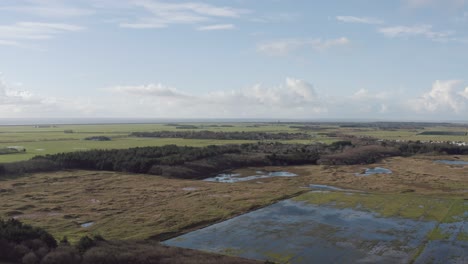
(281,59)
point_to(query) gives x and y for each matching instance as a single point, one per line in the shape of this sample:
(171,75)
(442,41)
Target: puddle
(190,189)
(452,162)
(87,224)
(40,149)
(376,170)
(236,177)
(296,232)
(324,187)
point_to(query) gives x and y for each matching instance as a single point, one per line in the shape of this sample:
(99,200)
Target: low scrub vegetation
(222,135)
(21,243)
(4,151)
(444,133)
(359,155)
(98,138)
(196,163)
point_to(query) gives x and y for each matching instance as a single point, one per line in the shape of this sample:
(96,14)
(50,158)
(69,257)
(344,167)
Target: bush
(359,155)
(23,243)
(30,258)
(85,243)
(13,230)
(62,255)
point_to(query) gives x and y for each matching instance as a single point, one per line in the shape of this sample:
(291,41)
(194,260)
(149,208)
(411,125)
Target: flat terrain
(54,139)
(124,206)
(411,134)
(421,174)
(319,227)
(132,206)
(428,195)
(416,214)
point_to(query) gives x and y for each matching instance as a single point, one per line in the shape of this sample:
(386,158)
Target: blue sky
(378,59)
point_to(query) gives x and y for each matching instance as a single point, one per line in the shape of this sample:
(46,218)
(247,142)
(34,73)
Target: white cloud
(16,102)
(276,18)
(14,34)
(294,97)
(434,3)
(365,103)
(284,47)
(48,9)
(420,30)
(157,90)
(464,93)
(364,94)
(293,93)
(359,20)
(163,14)
(217,27)
(15,97)
(443,97)
(9,43)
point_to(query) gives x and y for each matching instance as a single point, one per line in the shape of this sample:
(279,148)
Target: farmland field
(51,140)
(54,139)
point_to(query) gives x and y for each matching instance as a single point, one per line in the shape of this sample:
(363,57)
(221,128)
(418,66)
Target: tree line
(251,135)
(202,162)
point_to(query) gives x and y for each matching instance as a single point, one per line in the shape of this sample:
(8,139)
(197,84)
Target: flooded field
(452,162)
(304,230)
(238,177)
(377,170)
(87,224)
(324,187)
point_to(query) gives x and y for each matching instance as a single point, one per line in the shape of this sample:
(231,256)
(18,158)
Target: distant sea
(91,121)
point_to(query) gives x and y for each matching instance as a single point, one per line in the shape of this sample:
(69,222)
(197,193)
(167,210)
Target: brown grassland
(132,206)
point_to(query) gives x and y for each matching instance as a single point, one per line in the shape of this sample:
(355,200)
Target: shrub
(85,243)
(61,255)
(30,258)
(13,230)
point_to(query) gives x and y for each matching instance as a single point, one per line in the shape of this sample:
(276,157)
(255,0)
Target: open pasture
(40,140)
(435,133)
(56,139)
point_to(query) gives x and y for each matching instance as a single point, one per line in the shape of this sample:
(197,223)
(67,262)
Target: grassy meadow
(411,134)
(51,140)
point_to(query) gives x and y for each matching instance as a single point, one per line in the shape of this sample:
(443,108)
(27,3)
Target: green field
(54,139)
(50,140)
(410,134)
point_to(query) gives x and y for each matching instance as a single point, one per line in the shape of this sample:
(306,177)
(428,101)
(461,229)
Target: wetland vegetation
(138,196)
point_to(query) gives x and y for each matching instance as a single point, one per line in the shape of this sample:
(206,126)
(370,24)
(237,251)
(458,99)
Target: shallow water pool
(236,177)
(297,232)
(376,170)
(452,162)
(87,224)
